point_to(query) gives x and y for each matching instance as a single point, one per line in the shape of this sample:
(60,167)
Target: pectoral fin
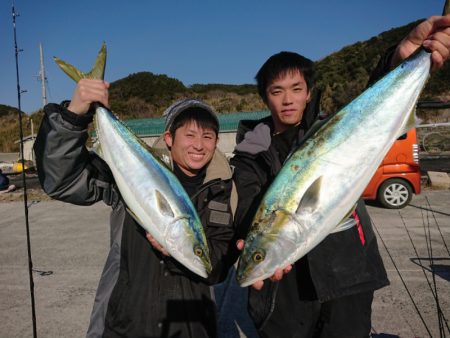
(311,198)
(163,205)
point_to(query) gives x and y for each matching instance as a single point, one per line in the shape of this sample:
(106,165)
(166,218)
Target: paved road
(393,310)
(69,245)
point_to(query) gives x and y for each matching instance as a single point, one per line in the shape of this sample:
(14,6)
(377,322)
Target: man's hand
(276,277)
(156,245)
(86,92)
(434,35)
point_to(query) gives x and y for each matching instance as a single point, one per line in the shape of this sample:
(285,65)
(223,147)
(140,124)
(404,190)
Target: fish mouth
(249,272)
(197,253)
(244,279)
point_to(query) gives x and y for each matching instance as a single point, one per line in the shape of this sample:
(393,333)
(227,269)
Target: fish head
(268,246)
(187,243)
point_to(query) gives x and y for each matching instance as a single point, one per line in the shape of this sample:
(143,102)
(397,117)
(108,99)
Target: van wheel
(395,193)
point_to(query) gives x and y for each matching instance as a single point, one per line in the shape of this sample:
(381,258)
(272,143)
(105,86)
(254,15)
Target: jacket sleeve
(67,170)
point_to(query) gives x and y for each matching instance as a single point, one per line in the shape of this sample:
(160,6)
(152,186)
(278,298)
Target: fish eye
(258,256)
(198,251)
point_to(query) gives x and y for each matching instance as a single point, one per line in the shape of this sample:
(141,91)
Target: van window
(403,137)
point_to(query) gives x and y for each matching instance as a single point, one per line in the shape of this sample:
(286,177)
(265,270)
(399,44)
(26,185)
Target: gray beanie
(179,106)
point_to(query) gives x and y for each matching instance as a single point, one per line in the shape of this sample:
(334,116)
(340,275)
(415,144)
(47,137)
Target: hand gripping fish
(152,193)
(320,183)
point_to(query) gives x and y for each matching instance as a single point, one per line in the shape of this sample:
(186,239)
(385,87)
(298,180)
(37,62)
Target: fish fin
(347,222)
(70,70)
(446,9)
(97,148)
(349,213)
(159,154)
(97,72)
(162,156)
(96,145)
(412,122)
(311,197)
(163,204)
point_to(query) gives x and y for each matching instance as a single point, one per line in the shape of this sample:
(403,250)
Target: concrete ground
(427,222)
(69,245)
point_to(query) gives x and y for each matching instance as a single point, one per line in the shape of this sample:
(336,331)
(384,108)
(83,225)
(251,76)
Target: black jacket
(344,263)
(141,293)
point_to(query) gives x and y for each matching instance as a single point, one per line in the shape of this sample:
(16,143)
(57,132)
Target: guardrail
(434,137)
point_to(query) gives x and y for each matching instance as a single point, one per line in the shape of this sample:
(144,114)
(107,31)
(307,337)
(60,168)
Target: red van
(398,176)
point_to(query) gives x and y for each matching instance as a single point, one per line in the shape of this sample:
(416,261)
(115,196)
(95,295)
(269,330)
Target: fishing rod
(428,239)
(433,292)
(437,225)
(401,278)
(24,182)
(441,318)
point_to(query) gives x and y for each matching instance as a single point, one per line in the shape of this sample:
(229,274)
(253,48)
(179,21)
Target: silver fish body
(153,195)
(320,183)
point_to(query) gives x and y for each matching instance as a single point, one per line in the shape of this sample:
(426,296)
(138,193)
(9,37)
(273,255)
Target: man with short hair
(329,292)
(142,291)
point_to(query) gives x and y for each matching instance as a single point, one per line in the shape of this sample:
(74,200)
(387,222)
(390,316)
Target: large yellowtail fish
(153,195)
(320,183)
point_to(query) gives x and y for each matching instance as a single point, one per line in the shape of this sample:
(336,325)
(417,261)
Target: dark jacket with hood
(141,293)
(344,263)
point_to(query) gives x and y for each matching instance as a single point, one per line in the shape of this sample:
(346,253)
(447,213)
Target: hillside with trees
(341,76)
(9,127)
(146,94)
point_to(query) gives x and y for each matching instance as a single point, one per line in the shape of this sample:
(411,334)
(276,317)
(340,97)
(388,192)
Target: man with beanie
(143,292)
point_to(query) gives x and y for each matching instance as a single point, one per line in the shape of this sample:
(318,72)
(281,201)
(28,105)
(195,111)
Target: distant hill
(341,76)
(146,94)
(9,130)
(344,74)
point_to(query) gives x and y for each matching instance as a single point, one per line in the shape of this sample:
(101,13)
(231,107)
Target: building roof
(155,126)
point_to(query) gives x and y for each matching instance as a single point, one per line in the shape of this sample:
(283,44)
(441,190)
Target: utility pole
(43,79)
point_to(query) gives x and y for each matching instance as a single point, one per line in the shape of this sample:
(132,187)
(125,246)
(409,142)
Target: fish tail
(446,7)
(97,72)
